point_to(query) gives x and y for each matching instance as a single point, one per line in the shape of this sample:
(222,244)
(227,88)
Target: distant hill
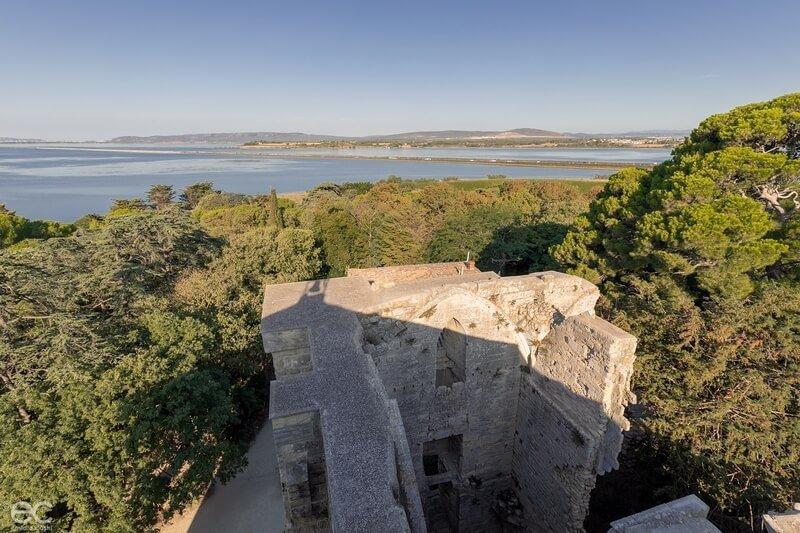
(520,133)
(236,138)
(414,136)
(269,136)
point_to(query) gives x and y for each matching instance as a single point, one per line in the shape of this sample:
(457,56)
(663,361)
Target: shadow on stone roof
(469,402)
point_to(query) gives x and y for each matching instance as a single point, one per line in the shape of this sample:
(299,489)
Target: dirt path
(249,503)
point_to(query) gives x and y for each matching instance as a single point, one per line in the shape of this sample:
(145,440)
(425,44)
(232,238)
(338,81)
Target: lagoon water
(64,182)
(636,155)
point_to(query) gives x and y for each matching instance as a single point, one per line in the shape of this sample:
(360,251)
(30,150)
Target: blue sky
(93,70)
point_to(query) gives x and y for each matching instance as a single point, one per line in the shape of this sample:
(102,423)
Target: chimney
(470,265)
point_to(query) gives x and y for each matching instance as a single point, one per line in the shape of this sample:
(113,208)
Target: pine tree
(160,196)
(274,211)
(699,259)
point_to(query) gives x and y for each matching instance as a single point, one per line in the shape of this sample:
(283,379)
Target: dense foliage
(699,258)
(130,358)
(16,230)
(131,363)
(506,226)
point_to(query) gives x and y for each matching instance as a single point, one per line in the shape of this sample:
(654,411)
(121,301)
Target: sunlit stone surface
(441,398)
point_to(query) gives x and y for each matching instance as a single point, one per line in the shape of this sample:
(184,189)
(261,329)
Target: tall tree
(699,259)
(112,402)
(192,194)
(126,206)
(231,288)
(160,196)
(274,211)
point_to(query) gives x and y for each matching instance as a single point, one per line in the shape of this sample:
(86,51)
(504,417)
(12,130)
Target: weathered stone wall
(526,411)
(541,410)
(480,411)
(290,351)
(552,464)
(392,275)
(341,459)
(684,515)
(570,419)
(788,522)
(407,493)
(301,462)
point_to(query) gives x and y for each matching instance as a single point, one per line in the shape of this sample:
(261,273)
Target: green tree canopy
(117,401)
(699,258)
(131,367)
(160,196)
(192,194)
(16,229)
(126,206)
(275,214)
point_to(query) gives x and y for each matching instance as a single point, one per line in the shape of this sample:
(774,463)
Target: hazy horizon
(94,71)
(343,135)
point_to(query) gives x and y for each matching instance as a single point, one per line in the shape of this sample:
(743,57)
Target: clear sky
(80,70)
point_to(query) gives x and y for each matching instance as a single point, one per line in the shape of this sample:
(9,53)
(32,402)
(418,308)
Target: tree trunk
(23,413)
(772,198)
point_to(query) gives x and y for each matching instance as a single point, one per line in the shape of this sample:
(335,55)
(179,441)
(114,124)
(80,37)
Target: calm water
(636,155)
(61,183)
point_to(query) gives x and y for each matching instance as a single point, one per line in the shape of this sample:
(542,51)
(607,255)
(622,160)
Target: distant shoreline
(476,146)
(599,165)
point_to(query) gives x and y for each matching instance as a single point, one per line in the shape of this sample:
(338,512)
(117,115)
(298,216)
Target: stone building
(441,398)
(788,522)
(684,515)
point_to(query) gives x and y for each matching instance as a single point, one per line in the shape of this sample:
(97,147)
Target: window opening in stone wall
(442,456)
(451,355)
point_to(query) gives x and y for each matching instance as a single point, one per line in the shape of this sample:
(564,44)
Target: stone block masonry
(684,515)
(442,398)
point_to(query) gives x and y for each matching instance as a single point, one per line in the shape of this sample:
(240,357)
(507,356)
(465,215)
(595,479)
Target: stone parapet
(438,397)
